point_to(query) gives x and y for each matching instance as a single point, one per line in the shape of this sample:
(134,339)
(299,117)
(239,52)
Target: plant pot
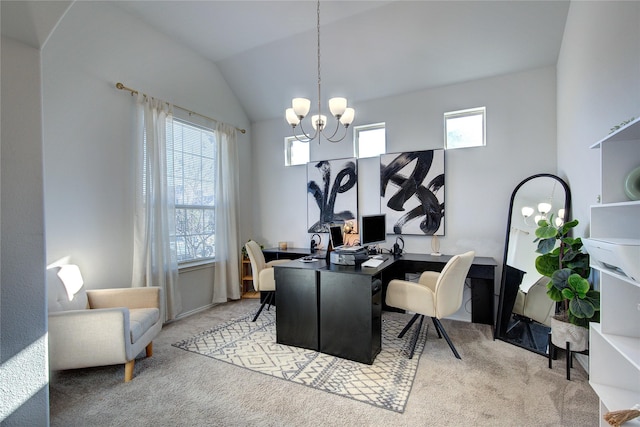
(561,332)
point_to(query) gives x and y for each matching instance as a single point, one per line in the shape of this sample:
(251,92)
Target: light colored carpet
(495,384)
(252,345)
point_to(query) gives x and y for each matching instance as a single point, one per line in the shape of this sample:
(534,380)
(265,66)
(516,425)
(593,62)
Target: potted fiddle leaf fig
(563,260)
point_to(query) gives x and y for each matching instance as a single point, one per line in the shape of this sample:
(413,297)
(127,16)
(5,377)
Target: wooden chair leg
(149,349)
(128,370)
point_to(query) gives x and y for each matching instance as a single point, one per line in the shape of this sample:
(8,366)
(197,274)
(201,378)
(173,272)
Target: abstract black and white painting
(332,193)
(412,192)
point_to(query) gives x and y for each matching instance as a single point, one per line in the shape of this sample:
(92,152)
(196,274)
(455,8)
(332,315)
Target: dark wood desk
(336,309)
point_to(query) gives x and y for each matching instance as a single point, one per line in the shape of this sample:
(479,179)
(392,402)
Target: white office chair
(436,295)
(263,274)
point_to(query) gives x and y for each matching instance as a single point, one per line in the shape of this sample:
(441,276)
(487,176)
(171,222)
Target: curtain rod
(135,92)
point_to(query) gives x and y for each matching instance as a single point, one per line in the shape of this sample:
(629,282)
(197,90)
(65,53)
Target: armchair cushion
(141,320)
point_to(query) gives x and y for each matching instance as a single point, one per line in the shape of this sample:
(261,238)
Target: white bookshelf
(614,343)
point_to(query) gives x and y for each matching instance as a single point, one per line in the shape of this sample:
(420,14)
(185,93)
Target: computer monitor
(373,229)
(335,234)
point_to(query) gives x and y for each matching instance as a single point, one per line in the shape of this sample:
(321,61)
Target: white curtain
(227,276)
(154,254)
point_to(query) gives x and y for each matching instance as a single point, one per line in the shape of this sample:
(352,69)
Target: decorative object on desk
(350,229)
(282,246)
(519,274)
(385,384)
(331,200)
(412,192)
(315,244)
(435,246)
(632,184)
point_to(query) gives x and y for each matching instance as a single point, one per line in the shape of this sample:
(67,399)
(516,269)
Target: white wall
(521,129)
(23,350)
(598,88)
(89,127)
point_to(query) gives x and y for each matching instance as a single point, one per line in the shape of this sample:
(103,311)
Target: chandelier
(337,106)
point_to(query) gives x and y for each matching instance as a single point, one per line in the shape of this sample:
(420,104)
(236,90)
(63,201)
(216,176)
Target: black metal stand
(569,355)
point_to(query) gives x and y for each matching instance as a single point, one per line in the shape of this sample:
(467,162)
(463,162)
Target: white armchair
(99,327)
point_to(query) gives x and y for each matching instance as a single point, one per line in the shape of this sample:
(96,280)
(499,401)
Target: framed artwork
(332,193)
(412,192)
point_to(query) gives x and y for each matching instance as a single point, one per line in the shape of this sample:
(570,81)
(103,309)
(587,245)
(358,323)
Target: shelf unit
(614,343)
(246,283)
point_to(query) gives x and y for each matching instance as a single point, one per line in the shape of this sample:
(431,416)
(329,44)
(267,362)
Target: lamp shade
(544,208)
(292,119)
(301,106)
(318,121)
(527,211)
(348,116)
(337,106)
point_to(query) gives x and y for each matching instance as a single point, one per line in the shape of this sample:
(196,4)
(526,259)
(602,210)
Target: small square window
(295,152)
(464,128)
(369,140)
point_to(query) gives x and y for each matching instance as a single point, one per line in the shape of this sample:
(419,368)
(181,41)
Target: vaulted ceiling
(266,50)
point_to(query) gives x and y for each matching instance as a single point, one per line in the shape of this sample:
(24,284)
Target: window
(464,128)
(295,152)
(369,140)
(192,174)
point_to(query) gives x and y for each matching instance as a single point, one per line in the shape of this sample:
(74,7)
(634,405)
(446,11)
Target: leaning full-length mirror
(524,309)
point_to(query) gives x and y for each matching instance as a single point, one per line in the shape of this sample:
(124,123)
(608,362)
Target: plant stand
(569,355)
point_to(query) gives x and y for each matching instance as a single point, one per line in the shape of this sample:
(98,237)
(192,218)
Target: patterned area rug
(386,384)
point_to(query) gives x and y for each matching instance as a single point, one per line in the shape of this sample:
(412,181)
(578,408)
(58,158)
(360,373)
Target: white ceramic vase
(561,332)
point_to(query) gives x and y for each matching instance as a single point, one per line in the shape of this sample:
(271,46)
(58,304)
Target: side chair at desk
(336,309)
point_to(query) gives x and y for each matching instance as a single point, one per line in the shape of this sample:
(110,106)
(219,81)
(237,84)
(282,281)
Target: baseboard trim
(194,311)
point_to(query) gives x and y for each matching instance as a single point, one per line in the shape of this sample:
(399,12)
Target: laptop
(337,241)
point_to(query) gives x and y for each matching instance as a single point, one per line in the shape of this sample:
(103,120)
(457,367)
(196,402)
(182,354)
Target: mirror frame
(567,206)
